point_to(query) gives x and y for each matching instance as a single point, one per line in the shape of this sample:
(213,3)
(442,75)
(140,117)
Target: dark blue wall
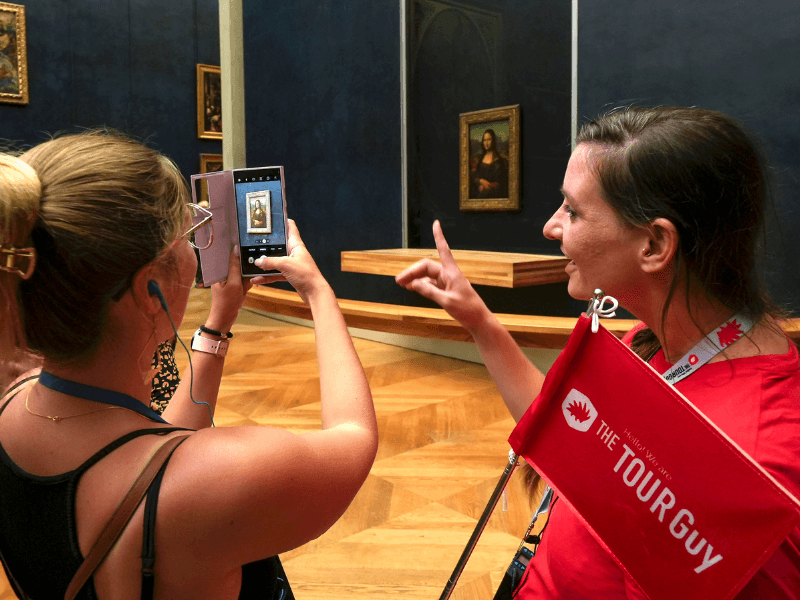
(453,72)
(481,55)
(127,65)
(736,57)
(323,99)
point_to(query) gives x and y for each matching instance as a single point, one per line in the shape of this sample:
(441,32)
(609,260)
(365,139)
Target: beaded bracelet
(205,329)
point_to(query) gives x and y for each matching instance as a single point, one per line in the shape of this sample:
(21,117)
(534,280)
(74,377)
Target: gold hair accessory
(57,419)
(12,261)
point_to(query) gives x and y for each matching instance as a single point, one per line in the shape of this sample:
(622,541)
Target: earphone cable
(191,372)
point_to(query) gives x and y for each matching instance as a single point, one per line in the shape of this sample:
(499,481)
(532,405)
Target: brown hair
(107,207)
(703,172)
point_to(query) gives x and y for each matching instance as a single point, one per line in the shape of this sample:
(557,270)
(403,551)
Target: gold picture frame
(209,163)
(13,54)
(209,102)
(489,170)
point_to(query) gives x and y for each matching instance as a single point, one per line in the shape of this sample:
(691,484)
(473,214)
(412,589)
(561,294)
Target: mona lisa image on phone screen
(261,215)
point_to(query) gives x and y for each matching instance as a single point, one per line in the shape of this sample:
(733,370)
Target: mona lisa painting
(490,159)
(259,212)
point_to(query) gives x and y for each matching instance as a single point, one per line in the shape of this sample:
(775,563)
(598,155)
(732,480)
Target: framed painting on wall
(13,54)
(209,102)
(209,163)
(490,159)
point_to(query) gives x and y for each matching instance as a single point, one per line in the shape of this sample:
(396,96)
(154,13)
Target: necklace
(57,419)
(95,394)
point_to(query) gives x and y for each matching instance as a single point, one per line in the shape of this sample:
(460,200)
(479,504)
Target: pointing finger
(441,245)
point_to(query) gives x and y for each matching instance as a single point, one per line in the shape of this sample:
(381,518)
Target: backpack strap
(121,516)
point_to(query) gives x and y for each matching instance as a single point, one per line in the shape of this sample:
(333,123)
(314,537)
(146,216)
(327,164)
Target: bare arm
(346,398)
(246,493)
(204,374)
(517,379)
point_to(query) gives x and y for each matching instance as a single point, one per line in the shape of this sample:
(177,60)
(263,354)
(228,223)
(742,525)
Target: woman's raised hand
(445,284)
(227,297)
(298,268)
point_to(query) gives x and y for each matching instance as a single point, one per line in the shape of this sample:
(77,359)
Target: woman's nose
(552,229)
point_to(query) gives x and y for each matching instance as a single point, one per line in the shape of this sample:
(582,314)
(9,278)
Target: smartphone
(261,215)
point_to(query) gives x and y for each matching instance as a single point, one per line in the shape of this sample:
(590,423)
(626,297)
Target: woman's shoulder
(260,491)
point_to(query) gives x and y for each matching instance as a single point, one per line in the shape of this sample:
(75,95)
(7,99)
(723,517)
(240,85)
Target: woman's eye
(568,209)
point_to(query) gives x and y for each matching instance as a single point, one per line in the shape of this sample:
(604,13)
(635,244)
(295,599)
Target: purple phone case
(222,204)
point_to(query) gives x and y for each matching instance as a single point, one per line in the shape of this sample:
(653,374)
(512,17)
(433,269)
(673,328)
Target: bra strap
(121,516)
(18,383)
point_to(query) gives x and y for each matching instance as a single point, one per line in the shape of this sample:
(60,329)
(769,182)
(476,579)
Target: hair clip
(13,263)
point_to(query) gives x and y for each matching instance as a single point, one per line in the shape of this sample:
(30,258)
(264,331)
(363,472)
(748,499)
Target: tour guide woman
(88,222)
(662,210)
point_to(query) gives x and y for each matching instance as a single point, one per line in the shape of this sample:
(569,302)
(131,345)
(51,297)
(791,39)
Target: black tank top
(38,533)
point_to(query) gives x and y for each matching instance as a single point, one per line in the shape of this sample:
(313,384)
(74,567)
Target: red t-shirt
(756,401)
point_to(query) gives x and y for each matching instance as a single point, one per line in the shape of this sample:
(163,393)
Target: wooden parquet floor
(443,446)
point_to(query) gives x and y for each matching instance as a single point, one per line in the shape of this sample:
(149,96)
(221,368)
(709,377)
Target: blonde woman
(104,219)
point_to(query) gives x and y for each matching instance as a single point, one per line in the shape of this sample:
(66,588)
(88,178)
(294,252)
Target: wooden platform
(500,269)
(529,331)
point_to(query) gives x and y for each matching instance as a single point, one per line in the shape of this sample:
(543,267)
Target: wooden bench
(529,331)
(499,269)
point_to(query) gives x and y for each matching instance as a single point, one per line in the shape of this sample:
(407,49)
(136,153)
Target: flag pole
(473,540)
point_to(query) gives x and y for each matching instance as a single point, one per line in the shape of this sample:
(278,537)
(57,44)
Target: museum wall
(323,99)
(127,65)
(466,57)
(739,58)
(469,58)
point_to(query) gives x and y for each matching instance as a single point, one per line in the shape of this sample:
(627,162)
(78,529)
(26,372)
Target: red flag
(679,506)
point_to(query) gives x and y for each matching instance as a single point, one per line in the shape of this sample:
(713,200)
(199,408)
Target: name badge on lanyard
(707,348)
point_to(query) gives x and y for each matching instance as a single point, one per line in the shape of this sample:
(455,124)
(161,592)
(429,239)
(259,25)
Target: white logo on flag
(579,411)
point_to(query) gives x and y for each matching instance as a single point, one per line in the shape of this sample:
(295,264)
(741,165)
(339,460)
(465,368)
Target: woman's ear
(661,245)
(143,290)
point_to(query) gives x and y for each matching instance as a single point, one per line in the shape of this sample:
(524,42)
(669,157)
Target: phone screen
(261,213)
